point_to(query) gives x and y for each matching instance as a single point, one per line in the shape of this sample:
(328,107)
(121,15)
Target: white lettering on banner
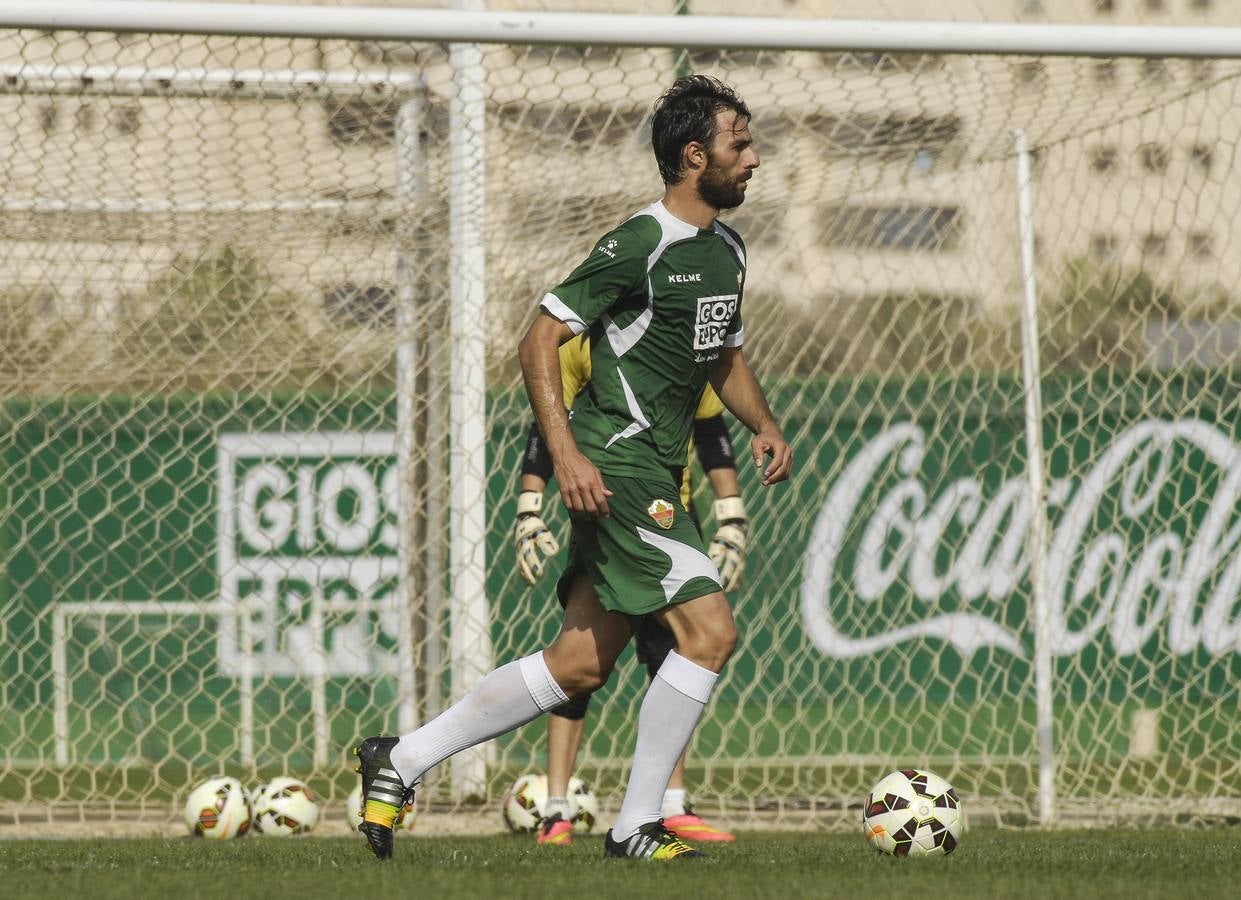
(307,545)
(272,504)
(1087,568)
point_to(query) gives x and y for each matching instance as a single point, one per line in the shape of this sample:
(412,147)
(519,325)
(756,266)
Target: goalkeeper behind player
(534,540)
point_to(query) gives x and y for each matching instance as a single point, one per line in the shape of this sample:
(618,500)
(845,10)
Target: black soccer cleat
(384,795)
(651,841)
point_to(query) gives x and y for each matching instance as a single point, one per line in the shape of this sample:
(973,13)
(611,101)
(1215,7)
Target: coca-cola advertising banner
(916,543)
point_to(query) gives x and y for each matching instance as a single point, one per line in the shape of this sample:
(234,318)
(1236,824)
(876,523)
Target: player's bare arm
(734,381)
(581,485)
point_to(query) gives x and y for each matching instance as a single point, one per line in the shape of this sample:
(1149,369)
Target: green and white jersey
(660,298)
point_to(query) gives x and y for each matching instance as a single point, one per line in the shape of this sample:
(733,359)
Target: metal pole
(437,506)
(470,620)
(410,195)
(246,686)
(60,687)
(318,678)
(681,8)
(1038,534)
(467,23)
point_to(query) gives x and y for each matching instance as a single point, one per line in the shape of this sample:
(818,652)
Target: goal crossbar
(696,32)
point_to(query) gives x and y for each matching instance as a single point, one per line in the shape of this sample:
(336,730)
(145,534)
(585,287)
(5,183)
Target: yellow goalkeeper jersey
(575,372)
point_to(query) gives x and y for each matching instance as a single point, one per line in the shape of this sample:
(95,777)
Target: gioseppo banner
(307,542)
(1145,545)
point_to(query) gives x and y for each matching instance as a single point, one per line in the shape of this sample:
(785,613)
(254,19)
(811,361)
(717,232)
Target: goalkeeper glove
(727,548)
(532,536)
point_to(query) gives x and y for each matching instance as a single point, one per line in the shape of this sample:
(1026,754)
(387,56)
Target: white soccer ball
(405,819)
(218,809)
(583,805)
(523,803)
(913,812)
(285,806)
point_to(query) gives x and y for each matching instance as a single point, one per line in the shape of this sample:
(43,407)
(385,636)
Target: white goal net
(261,417)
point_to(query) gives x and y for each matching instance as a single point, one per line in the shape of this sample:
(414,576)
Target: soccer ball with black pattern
(217,809)
(525,804)
(583,806)
(913,812)
(284,807)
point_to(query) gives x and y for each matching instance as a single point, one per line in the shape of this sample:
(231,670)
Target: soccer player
(661,297)
(714,449)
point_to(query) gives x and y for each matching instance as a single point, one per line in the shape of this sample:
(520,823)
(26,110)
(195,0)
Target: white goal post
(265,275)
(705,32)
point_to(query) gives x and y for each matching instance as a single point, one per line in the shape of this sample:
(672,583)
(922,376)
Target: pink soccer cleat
(554,830)
(693,827)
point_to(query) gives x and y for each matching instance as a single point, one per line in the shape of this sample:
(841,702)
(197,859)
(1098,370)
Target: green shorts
(646,555)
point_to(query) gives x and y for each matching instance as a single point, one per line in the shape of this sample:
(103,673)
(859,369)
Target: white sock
(512,695)
(672,707)
(556,805)
(674,803)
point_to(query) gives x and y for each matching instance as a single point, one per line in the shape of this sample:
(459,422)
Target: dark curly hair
(685,114)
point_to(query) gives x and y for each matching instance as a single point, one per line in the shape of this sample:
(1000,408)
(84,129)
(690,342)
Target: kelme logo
(662,512)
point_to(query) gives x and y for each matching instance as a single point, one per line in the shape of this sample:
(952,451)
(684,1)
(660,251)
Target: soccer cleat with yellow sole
(651,841)
(384,795)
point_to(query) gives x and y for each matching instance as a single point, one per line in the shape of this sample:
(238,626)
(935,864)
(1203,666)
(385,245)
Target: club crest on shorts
(662,512)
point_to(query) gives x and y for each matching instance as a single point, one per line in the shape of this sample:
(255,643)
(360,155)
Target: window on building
(1030,74)
(924,160)
(1155,157)
(1104,248)
(1202,70)
(929,228)
(1106,72)
(1155,69)
(1201,156)
(1154,6)
(1200,5)
(1200,244)
(879,135)
(85,118)
(351,304)
(1031,7)
(727,59)
(1103,158)
(49,117)
(1154,245)
(362,121)
(1105,6)
(126,119)
(877,62)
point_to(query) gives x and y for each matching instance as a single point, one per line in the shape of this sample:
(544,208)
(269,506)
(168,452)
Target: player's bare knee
(578,674)
(583,681)
(723,639)
(710,645)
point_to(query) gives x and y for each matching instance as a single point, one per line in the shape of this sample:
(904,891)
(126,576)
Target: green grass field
(990,863)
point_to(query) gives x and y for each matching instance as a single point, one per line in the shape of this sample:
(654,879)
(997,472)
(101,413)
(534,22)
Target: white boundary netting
(262,416)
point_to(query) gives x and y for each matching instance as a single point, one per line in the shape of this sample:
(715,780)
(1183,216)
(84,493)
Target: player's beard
(718,189)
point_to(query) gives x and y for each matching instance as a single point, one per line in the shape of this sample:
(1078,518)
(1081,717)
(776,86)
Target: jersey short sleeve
(574,367)
(615,267)
(734,334)
(710,405)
